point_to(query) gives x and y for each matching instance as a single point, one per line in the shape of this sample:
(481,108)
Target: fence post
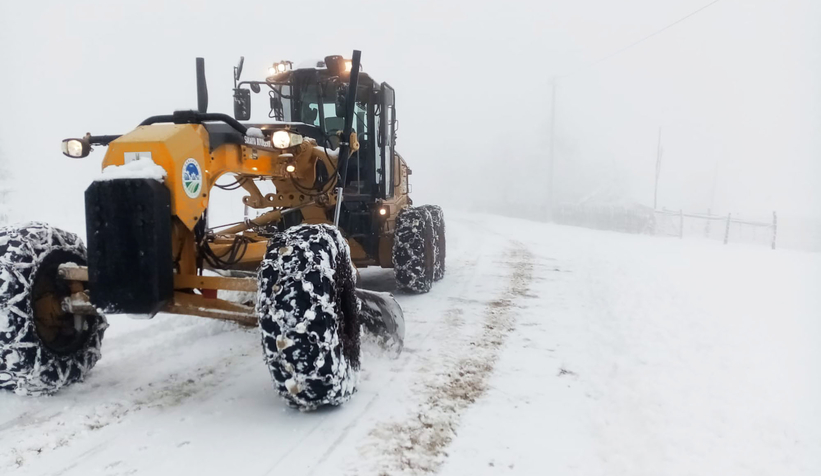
(680,223)
(707,227)
(775,227)
(727,230)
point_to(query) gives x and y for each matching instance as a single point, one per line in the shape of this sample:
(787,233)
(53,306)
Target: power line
(553,82)
(622,50)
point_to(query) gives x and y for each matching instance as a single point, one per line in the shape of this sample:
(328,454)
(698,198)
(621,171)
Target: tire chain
(305,281)
(409,249)
(27,367)
(439,243)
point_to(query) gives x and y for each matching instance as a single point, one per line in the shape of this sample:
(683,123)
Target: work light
(285,139)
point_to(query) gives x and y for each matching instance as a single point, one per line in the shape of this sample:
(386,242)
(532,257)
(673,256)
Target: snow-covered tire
(41,352)
(439,243)
(414,254)
(308,316)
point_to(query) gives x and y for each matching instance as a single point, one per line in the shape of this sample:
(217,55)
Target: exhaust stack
(202,88)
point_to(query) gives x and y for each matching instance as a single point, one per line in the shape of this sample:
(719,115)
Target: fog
(541,331)
(734,90)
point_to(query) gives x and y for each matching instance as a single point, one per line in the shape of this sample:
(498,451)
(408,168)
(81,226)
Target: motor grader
(340,202)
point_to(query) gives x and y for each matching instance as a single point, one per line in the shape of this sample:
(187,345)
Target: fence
(640,219)
(724,227)
(624,219)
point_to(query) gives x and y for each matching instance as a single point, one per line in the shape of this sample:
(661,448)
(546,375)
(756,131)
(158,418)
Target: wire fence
(727,228)
(624,219)
(677,223)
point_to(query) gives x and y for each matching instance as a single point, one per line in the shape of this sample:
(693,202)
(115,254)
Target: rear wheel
(307,312)
(42,347)
(414,253)
(439,244)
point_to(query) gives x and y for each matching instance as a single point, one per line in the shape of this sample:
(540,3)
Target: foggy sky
(736,90)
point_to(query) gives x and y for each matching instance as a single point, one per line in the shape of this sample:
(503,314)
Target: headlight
(348,66)
(285,139)
(76,148)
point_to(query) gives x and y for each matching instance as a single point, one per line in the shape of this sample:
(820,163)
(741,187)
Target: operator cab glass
(316,98)
(318,103)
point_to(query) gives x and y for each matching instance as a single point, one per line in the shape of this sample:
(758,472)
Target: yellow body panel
(171,145)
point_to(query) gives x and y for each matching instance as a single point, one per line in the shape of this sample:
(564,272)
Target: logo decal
(257,142)
(191,178)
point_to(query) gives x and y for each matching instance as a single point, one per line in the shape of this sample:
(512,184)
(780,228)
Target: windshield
(314,97)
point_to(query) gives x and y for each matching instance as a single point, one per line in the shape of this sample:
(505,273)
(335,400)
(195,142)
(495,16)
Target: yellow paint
(171,145)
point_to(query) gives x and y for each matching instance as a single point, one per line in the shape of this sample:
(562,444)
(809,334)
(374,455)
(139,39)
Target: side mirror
(76,148)
(238,68)
(255,88)
(242,104)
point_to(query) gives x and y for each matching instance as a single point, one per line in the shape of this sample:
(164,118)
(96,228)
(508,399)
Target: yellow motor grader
(340,202)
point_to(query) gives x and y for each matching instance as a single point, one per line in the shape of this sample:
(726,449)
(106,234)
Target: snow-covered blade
(382,319)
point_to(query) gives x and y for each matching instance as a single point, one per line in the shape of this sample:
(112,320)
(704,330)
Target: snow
(546,349)
(311,64)
(254,132)
(137,169)
(139,317)
(331,153)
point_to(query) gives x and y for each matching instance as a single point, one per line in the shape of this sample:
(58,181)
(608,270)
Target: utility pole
(658,172)
(550,181)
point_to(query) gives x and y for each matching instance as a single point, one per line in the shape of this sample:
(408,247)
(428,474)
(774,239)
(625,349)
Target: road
(545,349)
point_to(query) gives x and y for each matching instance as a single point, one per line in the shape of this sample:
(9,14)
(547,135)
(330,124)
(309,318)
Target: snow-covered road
(545,350)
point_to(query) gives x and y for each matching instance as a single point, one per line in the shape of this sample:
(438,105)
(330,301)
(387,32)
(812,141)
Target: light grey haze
(735,89)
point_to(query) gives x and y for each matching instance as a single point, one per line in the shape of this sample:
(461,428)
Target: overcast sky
(735,88)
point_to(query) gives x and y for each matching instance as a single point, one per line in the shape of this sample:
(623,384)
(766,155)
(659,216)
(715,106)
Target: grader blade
(382,319)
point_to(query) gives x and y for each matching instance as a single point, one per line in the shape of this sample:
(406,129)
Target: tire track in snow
(467,266)
(417,445)
(62,430)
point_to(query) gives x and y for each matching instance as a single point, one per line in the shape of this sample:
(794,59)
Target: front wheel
(308,316)
(42,347)
(439,242)
(414,251)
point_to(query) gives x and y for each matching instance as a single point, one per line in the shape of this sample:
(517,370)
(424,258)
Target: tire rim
(59,331)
